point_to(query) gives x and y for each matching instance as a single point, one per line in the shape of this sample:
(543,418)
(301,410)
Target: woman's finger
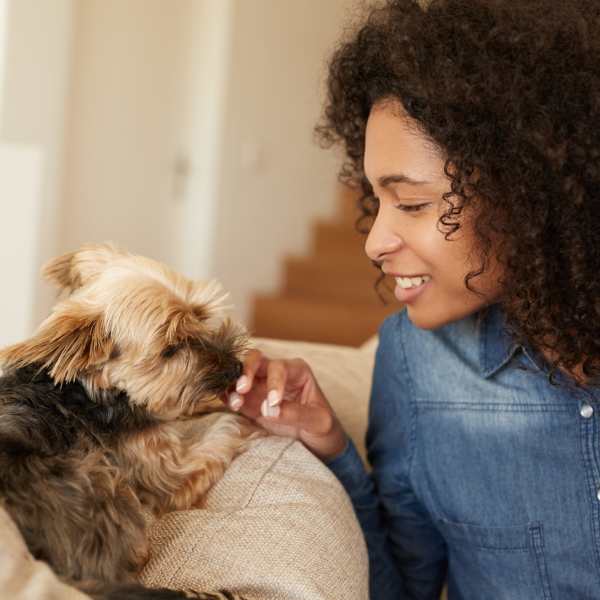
(312,418)
(249,403)
(276,380)
(235,401)
(252,362)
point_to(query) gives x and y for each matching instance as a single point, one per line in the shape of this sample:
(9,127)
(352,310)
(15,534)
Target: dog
(115,405)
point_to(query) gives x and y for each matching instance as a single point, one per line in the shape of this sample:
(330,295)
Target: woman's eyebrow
(386,180)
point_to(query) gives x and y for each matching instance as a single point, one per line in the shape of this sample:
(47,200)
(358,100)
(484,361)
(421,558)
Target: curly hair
(510,92)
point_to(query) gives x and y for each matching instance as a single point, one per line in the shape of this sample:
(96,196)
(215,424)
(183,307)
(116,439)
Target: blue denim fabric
(483,473)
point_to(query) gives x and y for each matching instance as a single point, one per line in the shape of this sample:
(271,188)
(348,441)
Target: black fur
(44,430)
(38,417)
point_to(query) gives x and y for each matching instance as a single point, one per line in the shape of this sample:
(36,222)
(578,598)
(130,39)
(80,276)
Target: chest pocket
(504,563)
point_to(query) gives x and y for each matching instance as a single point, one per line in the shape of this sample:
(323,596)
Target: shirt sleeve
(407,555)
(385,582)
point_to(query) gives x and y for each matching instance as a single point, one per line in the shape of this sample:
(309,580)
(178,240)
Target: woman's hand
(284,397)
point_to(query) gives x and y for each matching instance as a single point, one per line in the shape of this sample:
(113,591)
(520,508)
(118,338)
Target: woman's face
(405,171)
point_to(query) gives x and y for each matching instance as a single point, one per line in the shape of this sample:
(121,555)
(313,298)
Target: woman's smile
(409,294)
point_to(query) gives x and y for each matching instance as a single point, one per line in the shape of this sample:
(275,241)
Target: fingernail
(269,411)
(235,401)
(273,398)
(242,382)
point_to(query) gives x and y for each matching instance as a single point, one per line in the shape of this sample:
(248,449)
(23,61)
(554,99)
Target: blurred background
(181,130)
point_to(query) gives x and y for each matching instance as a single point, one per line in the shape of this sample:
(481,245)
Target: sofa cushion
(279,524)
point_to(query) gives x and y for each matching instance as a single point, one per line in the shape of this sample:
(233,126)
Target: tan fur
(181,462)
(129,324)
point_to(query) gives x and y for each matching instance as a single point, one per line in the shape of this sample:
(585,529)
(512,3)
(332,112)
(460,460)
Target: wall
(190,136)
(144,127)
(207,64)
(20,182)
(35,62)
(124,121)
(181,130)
(274,181)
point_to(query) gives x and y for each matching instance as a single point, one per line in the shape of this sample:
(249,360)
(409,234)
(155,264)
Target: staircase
(328,296)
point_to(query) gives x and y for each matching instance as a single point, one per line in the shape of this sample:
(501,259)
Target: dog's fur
(114,404)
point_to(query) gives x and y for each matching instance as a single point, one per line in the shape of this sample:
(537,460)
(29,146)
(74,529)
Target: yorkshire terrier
(116,404)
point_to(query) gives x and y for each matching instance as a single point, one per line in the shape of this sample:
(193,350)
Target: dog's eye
(169,351)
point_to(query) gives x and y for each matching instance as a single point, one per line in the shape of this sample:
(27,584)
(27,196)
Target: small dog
(114,404)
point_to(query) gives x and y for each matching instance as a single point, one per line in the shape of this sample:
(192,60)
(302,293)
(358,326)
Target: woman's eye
(411,207)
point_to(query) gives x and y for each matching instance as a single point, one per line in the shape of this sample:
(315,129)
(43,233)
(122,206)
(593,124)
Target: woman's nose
(381,240)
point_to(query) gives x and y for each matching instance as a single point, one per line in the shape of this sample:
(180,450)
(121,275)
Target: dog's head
(129,323)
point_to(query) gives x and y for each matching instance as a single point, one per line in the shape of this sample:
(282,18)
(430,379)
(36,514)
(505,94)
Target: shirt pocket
(496,562)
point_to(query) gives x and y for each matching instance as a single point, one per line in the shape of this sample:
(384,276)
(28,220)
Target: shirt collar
(496,346)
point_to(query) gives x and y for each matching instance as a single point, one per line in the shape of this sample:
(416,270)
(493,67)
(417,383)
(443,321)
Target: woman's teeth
(409,282)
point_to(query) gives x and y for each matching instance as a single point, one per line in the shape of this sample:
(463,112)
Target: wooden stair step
(348,265)
(297,318)
(332,239)
(330,279)
(328,296)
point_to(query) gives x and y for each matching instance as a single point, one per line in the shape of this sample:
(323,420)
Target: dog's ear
(74,269)
(181,326)
(69,342)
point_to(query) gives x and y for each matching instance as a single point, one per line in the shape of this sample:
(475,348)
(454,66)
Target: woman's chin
(427,317)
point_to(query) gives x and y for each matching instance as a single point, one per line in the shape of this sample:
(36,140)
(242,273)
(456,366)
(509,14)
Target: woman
(472,127)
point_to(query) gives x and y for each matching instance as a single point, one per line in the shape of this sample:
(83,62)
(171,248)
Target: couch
(278,526)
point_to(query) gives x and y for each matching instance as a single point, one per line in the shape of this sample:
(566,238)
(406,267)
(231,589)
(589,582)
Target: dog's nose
(238,369)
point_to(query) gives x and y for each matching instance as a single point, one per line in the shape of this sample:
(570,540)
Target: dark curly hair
(510,92)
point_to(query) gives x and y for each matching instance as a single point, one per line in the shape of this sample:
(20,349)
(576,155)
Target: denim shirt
(483,472)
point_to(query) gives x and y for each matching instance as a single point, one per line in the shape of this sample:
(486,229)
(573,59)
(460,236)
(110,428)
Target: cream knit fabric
(276,527)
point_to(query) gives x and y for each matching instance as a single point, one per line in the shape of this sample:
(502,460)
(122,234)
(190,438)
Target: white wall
(226,90)
(208,59)
(145,127)
(20,182)
(35,61)
(274,180)
(179,129)
(125,118)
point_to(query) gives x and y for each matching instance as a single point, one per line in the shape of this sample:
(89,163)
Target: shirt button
(586,411)
(598,495)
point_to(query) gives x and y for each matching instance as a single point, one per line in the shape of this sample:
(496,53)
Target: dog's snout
(238,369)
(231,373)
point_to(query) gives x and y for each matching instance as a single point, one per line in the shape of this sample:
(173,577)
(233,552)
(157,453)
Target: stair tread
(332,239)
(350,304)
(328,296)
(310,319)
(333,264)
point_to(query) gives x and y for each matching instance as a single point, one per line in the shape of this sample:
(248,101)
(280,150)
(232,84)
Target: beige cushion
(278,525)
